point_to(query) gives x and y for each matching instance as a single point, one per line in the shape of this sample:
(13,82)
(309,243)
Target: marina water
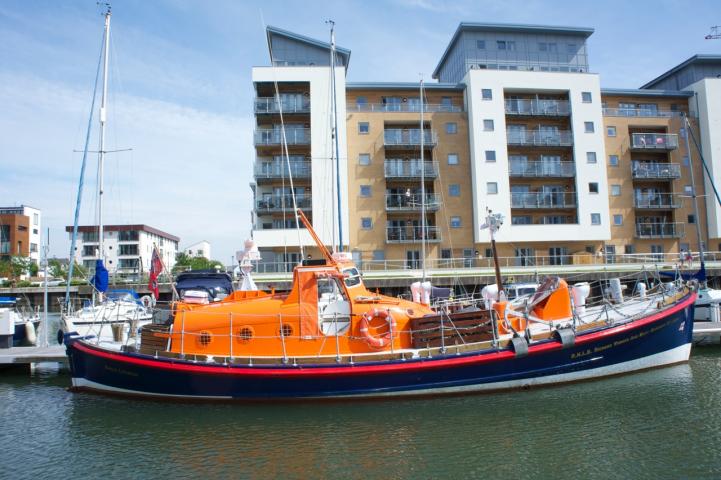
(663,423)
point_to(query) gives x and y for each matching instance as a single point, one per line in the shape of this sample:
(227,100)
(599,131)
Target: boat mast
(103,118)
(423,195)
(335,134)
(687,129)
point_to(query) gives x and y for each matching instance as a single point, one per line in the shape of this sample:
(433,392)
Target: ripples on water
(659,424)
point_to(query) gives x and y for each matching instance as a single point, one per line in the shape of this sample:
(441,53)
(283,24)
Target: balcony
(542,169)
(274,136)
(539,200)
(659,230)
(277,169)
(282,203)
(408,107)
(412,234)
(655,171)
(539,138)
(410,169)
(654,141)
(399,202)
(537,108)
(405,138)
(656,201)
(270,105)
(639,112)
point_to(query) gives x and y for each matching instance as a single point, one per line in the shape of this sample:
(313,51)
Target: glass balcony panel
(541,169)
(654,141)
(659,230)
(643,170)
(412,201)
(529,107)
(543,200)
(412,234)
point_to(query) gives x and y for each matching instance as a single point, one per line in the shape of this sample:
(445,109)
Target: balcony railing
(273,136)
(280,203)
(411,234)
(397,137)
(659,230)
(541,108)
(656,201)
(279,169)
(404,107)
(543,200)
(654,141)
(270,105)
(401,202)
(540,138)
(639,112)
(542,169)
(643,170)
(410,169)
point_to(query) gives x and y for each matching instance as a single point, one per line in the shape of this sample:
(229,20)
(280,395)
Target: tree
(185,262)
(55,268)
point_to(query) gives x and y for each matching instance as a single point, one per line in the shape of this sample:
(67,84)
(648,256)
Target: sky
(180,90)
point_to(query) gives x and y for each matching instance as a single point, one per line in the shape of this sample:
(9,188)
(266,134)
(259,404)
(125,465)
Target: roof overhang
(696,59)
(632,92)
(271,30)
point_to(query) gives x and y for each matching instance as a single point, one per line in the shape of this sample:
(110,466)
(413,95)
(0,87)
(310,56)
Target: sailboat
(116,314)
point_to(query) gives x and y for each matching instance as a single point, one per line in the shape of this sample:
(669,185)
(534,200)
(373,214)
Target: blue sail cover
(100,279)
(700,275)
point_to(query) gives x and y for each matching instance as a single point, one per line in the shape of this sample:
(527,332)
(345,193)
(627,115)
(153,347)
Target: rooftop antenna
(714,34)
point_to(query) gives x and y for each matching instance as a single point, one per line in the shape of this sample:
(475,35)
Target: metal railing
(408,137)
(539,138)
(543,200)
(548,108)
(279,169)
(660,230)
(654,141)
(288,105)
(279,203)
(403,107)
(656,200)
(410,168)
(639,112)
(655,170)
(542,169)
(411,202)
(412,234)
(273,136)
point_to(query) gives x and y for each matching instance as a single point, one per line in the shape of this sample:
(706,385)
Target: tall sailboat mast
(687,131)
(101,149)
(423,194)
(335,135)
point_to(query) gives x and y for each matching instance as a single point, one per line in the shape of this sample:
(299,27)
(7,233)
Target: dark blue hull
(660,339)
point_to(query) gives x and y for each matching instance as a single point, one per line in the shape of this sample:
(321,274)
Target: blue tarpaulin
(700,275)
(100,279)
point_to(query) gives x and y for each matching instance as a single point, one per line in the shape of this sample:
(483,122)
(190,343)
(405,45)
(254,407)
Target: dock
(33,355)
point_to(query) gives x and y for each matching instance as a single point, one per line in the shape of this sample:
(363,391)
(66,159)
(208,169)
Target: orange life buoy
(382,340)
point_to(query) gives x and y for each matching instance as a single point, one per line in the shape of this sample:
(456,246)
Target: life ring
(382,340)
(147,301)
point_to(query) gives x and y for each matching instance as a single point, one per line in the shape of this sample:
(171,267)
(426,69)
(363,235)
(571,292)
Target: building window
(586,97)
(488,125)
(361,102)
(629,249)
(501,44)
(571,48)
(128,249)
(379,255)
(590,157)
(455,222)
(36,219)
(595,219)
(491,188)
(364,159)
(688,190)
(451,128)
(486,94)
(618,220)
(454,190)
(691,219)
(686,163)
(521,220)
(452,159)
(481,44)
(588,127)
(363,128)
(366,223)
(365,190)
(615,190)
(611,131)
(613,160)
(509,45)
(127,236)
(490,155)
(593,187)
(88,250)
(446,103)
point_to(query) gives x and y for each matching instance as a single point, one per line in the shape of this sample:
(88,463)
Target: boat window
(526,291)
(352,277)
(329,289)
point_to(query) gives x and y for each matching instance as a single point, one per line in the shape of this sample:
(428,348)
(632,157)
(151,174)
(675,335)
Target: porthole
(245,334)
(204,338)
(286,330)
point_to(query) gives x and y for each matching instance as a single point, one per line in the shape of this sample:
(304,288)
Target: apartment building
(516,124)
(20,229)
(128,248)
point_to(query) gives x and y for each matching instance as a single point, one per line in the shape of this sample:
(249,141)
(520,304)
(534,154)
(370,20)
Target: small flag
(156,266)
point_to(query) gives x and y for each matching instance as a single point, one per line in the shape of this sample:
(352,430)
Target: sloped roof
(271,30)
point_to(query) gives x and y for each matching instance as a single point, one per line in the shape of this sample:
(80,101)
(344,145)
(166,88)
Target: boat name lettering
(616,343)
(120,371)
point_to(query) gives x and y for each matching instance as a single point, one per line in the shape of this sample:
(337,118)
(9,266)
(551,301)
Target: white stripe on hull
(669,357)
